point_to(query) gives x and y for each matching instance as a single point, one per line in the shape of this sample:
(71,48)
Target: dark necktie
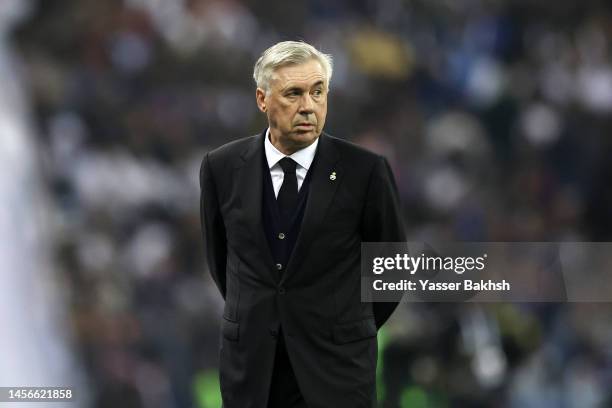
(288,194)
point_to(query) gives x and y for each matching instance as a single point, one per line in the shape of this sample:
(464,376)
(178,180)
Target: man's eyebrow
(292,88)
(299,88)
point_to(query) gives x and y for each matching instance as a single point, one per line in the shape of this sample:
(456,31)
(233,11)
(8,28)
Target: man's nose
(306,105)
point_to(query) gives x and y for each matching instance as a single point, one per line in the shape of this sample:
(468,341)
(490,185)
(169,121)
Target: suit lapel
(250,176)
(325,179)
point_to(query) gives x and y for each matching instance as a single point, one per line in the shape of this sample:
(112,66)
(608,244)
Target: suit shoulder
(354,152)
(222,156)
(235,147)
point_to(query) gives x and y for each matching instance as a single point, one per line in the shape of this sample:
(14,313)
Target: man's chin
(304,139)
(310,134)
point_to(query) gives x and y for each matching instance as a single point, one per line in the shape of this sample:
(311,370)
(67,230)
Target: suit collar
(252,149)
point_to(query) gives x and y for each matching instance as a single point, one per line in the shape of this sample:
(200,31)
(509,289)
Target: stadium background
(495,116)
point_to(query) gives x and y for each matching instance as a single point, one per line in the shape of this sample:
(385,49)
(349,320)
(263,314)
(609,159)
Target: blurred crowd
(495,116)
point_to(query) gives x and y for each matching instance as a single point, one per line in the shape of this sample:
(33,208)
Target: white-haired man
(283,214)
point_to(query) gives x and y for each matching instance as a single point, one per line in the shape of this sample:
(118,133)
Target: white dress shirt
(303,158)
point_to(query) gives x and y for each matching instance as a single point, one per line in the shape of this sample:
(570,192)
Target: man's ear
(260,96)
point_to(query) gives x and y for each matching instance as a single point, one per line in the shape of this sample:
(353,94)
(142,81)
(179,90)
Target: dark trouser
(284,389)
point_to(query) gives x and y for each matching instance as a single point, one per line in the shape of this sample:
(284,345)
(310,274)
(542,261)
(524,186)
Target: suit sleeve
(383,222)
(213,229)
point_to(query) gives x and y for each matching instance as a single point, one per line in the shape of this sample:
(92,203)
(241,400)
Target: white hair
(288,53)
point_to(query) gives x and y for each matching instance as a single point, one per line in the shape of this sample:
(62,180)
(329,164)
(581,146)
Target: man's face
(296,105)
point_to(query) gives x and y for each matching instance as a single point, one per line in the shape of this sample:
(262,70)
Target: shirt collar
(303,157)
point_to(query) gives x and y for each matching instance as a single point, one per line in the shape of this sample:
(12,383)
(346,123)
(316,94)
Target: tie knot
(288,165)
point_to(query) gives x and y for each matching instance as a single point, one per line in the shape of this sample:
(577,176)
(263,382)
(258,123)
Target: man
(283,215)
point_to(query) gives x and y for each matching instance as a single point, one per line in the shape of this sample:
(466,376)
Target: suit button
(279,266)
(273,332)
(281,290)
(281,236)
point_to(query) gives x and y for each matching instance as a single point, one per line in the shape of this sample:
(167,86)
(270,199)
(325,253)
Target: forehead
(305,74)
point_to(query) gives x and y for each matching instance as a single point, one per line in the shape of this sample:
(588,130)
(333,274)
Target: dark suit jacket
(330,334)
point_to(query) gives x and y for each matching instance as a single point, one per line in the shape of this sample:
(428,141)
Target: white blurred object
(148,250)
(541,124)
(583,387)
(11,12)
(448,135)
(187,27)
(142,181)
(532,385)
(34,327)
(445,187)
(595,88)
(456,132)
(486,82)
(481,340)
